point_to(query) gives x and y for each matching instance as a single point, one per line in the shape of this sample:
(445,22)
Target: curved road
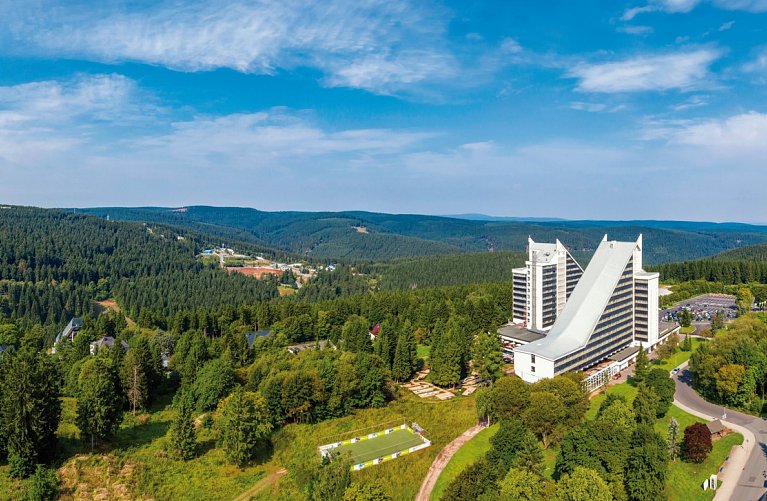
(752,483)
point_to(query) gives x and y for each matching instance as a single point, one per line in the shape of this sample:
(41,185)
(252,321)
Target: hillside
(54,264)
(438,271)
(744,265)
(376,236)
(750,253)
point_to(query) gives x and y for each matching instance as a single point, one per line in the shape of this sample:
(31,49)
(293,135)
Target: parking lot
(702,307)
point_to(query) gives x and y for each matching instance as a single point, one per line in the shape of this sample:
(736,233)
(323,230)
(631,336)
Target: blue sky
(645,109)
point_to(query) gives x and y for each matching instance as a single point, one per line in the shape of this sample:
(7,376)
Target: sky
(649,109)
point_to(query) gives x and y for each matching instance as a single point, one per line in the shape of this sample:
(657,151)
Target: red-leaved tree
(697,442)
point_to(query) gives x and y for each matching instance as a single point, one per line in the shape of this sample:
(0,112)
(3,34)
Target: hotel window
(532,359)
(532,368)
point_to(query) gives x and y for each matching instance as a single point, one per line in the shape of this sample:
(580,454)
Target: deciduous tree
(583,484)
(510,396)
(545,415)
(520,484)
(697,442)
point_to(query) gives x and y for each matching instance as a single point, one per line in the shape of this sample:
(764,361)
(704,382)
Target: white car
(673,372)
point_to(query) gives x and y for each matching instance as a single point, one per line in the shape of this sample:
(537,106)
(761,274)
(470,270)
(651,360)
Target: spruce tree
(402,367)
(645,405)
(673,439)
(30,409)
(642,367)
(182,437)
(244,425)
(488,356)
(99,401)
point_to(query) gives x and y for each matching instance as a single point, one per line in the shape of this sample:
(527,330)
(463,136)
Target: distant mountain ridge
(361,235)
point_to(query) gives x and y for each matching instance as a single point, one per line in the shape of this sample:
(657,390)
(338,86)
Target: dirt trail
(266,482)
(442,459)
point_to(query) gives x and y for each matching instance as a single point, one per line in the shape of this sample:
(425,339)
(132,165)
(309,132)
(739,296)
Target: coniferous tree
(529,455)
(646,466)
(134,382)
(402,366)
(43,485)
(356,335)
(673,439)
(488,356)
(645,405)
(642,368)
(99,400)
(30,409)
(245,424)
(182,436)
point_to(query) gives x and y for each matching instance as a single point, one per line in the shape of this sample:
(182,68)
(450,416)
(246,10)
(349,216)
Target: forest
(351,236)
(180,353)
(54,264)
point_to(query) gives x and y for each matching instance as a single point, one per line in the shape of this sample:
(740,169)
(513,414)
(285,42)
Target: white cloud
(592,107)
(758,64)
(685,6)
(383,46)
(726,26)
(100,97)
(510,46)
(747,5)
(687,70)
(695,101)
(635,29)
(746,132)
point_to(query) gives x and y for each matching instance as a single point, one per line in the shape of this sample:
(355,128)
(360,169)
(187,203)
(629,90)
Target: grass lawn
(423,351)
(382,445)
(549,460)
(685,479)
(296,444)
(466,455)
(687,330)
(285,290)
(677,358)
(624,389)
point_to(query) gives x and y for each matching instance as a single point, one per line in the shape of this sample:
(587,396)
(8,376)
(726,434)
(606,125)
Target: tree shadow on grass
(140,434)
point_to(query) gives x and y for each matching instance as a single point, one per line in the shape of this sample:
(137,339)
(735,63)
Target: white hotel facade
(612,308)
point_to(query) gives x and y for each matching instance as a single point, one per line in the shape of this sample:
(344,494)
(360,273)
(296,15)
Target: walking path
(745,474)
(442,459)
(268,481)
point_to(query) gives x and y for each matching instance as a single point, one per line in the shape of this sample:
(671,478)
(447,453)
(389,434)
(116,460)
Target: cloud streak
(683,71)
(382,46)
(685,6)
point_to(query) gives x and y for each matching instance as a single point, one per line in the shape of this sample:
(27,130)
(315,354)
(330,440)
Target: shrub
(43,485)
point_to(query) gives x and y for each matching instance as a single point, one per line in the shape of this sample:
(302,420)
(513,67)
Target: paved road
(752,484)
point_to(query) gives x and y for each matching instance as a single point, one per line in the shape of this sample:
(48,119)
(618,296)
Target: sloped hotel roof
(574,325)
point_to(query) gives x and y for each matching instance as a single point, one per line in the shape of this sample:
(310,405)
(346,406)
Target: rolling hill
(358,235)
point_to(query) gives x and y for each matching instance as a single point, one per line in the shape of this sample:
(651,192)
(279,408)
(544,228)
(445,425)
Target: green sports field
(372,448)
